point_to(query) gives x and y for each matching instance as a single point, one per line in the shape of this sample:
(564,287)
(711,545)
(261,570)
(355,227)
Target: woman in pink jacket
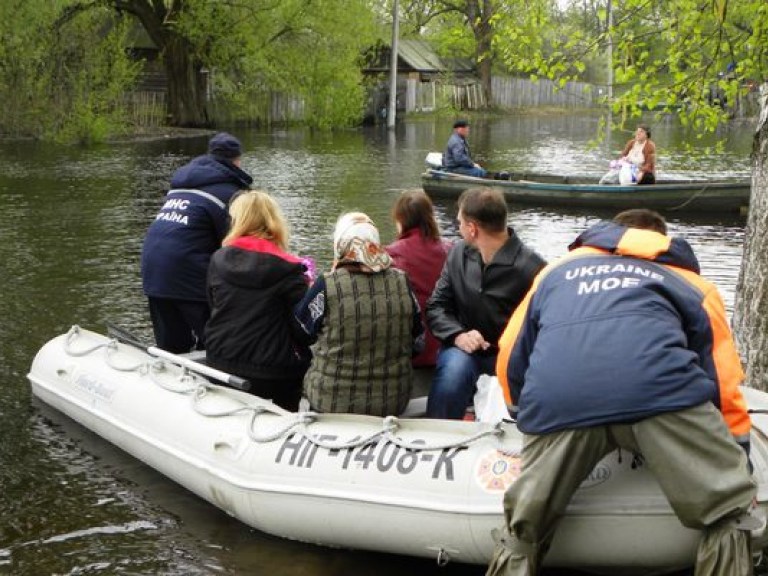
(420,253)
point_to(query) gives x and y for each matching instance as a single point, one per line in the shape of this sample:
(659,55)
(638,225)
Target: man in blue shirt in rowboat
(456,157)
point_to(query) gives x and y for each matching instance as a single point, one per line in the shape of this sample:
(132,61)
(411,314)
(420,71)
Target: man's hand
(471,341)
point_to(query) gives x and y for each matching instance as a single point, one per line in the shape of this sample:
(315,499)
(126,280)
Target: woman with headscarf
(364,325)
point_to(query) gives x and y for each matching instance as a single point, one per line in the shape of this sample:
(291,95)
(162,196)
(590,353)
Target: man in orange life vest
(621,344)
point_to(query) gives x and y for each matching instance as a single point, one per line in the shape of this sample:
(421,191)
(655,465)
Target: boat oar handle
(127,337)
(230,379)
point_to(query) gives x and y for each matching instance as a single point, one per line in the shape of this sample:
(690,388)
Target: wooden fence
(521,92)
(262,109)
(507,93)
(148,108)
(430,96)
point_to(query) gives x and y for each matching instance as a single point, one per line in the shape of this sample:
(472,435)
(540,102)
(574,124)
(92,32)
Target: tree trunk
(186,84)
(750,319)
(485,69)
(479,15)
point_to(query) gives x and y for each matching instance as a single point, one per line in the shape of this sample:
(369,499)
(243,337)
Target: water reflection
(70,237)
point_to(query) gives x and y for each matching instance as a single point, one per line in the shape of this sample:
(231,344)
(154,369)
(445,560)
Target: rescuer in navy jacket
(180,241)
(621,291)
(621,344)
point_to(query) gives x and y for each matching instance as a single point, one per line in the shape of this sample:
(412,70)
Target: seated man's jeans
(455,382)
(475,171)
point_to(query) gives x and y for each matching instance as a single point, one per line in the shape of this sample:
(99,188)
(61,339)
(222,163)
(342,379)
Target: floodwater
(71,228)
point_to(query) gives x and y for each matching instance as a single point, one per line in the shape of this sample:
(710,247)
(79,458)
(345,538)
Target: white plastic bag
(627,174)
(490,405)
(611,177)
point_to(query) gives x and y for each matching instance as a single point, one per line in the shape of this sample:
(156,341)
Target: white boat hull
(269,470)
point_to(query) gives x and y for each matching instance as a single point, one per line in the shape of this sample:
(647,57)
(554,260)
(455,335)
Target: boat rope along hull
(425,488)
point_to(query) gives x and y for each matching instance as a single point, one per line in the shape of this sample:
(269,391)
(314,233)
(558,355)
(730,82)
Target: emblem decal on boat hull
(496,471)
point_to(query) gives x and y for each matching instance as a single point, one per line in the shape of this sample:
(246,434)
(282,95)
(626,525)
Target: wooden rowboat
(584,192)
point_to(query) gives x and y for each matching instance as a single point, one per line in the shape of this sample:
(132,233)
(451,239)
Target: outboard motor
(434,160)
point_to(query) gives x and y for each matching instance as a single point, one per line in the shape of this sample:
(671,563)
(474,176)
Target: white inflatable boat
(407,486)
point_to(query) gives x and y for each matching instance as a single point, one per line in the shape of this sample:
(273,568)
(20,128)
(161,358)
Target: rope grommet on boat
(390,424)
(72,334)
(305,418)
(443,557)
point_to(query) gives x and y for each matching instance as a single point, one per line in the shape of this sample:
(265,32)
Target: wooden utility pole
(609,96)
(609,26)
(392,111)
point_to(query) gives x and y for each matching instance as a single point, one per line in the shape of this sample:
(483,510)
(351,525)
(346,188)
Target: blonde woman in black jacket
(253,285)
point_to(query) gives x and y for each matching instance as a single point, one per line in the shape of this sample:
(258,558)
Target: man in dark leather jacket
(484,279)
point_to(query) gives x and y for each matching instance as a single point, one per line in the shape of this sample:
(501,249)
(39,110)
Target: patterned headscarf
(356,241)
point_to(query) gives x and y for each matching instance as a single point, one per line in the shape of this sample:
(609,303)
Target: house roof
(419,56)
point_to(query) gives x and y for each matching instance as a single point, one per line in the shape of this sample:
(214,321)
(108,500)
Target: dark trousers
(455,382)
(285,393)
(691,452)
(179,325)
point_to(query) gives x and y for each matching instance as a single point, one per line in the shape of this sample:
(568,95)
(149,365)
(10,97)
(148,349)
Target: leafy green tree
(458,27)
(23,27)
(64,65)
(250,46)
(309,49)
(61,81)
(88,78)
(479,16)
(446,30)
(495,33)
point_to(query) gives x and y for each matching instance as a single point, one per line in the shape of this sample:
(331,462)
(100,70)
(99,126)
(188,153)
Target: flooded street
(71,231)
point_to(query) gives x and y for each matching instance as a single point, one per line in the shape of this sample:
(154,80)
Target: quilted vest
(362,359)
